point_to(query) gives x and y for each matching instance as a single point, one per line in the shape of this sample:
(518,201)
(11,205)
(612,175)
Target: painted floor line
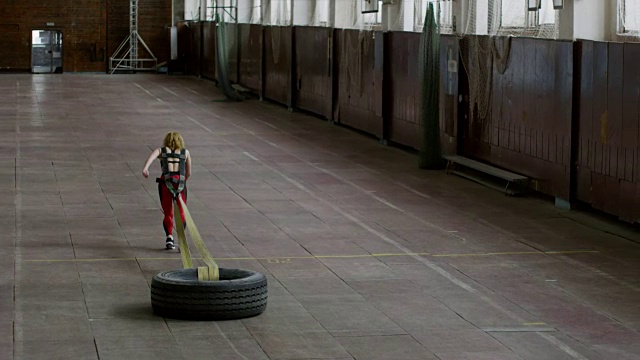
(326,256)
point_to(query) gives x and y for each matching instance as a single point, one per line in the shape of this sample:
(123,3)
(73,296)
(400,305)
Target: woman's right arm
(153,156)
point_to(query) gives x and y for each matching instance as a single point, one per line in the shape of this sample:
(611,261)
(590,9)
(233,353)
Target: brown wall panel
(312,91)
(629,147)
(251,56)
(195,56)
(359,81)
(233,35)
(585,120)
(528,129)
(628,201)
(449,93)
(614,128)
(277,63)
(181,64)
(630,110)
(208,64)
(600,101)
(608,128)
(402,54)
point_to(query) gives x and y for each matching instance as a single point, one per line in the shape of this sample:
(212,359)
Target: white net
(629,17)
(356,44)
(498,20)
(280,15)
(280,12)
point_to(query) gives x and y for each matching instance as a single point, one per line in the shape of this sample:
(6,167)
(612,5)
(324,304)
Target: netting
(319,12)
(280,15)
(349,16)
(356,43)
(443,11)
(498,20)
(430,153)
(224,46)
(249,11)
(629,15)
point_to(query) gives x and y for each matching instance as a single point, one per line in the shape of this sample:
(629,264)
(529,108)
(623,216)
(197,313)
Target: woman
(175,162)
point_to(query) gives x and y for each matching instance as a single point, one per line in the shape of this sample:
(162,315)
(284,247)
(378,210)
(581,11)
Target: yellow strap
(182,238)
(211,271)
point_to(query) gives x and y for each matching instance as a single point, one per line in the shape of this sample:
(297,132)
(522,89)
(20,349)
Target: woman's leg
(183,195)
(167,208)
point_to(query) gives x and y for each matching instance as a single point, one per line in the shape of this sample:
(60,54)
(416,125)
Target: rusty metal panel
(403,77)
(251,56)
(277,63)
(358,73)
(208,65)
(614,129)
(312,91)
(631,117)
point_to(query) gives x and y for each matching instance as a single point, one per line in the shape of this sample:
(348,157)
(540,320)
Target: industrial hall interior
(320,179)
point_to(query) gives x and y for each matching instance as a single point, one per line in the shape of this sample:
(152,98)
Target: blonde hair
(173,140)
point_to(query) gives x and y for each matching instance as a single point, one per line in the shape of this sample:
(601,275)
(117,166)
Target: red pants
(166,200)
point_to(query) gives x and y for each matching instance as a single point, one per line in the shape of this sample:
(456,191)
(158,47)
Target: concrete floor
(367,256)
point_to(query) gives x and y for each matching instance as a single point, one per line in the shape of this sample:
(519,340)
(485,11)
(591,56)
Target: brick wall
(92,30)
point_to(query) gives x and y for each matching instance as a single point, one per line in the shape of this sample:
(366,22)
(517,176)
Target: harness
(170,176)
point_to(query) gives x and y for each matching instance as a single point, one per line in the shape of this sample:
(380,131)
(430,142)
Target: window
(373,18)
(629,16)
(210,15)
(191,10)
(443,10)
(514,14)
(546,14)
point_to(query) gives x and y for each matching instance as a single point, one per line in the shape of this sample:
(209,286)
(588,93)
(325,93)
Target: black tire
(238,294)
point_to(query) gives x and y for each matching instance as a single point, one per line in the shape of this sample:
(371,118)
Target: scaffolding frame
(231,10)
(128,60)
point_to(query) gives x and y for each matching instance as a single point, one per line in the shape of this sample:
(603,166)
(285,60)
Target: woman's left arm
(187,170)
